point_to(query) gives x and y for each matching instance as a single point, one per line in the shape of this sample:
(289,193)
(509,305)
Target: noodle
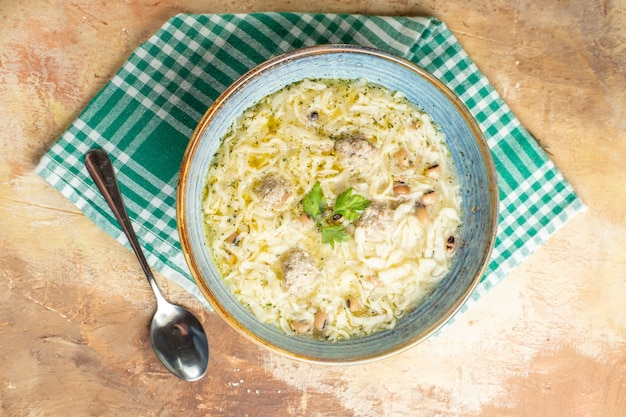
(341,134)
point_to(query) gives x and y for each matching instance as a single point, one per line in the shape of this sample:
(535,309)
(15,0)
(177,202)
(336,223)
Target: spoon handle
(101,170)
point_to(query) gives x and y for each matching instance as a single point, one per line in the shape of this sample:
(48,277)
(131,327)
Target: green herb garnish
(332,223)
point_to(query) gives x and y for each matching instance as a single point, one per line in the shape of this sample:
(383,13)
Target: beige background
(74,307)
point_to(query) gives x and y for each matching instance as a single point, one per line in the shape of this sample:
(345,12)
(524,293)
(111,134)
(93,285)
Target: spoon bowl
(177,336)
(179,341)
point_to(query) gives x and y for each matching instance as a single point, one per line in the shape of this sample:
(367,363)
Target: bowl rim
(197,138)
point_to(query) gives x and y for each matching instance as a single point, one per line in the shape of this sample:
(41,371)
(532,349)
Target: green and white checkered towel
(146,114)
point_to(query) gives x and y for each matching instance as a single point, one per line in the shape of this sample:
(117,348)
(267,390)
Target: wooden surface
(550,340)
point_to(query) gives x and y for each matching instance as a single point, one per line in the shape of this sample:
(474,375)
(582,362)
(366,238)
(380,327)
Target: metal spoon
(177,336)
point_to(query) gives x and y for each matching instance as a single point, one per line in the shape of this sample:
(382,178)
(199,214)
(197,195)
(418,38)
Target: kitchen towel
(145,116)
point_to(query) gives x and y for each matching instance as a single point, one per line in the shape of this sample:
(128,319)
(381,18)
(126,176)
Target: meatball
(355,153)
(300,272)
(377,222)
(273,191)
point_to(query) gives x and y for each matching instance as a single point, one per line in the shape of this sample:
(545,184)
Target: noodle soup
(332,208)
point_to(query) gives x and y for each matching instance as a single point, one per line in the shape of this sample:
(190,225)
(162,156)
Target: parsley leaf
(314,203)
(332,234)
(349,204)
(348,207)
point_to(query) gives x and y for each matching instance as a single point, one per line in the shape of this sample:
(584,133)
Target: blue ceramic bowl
(465,140)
